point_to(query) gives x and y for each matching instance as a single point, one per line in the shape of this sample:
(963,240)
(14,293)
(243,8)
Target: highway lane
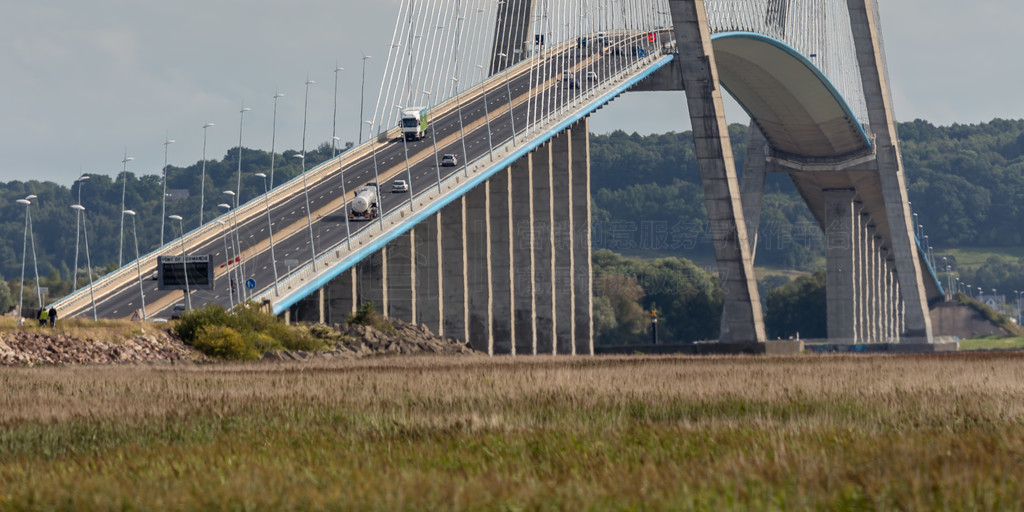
(291,235)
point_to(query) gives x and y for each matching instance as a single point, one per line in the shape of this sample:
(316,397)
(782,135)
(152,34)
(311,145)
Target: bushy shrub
(258,332)
(224,342)
(368,315)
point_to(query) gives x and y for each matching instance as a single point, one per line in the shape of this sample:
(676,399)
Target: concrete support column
(582,261)
(429,307)
(543,250)
(341,296)
(874,78)
(562,232)
(478,267)
(371,275)
(840,263)
(859,253)
(453,266)
(401,272)
(718,172)
(502,274)
(523,255)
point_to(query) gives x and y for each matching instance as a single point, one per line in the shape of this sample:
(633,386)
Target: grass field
(531,433)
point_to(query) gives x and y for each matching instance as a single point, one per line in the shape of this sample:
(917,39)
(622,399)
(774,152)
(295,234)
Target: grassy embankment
(715,433)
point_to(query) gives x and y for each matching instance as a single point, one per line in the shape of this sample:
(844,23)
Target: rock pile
(355,341)
(31,348)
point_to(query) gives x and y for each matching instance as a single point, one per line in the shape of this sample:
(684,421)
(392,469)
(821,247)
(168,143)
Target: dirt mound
(356,341)
(31,348)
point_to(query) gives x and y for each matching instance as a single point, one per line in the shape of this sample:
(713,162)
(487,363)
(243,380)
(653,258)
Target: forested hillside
(966,183)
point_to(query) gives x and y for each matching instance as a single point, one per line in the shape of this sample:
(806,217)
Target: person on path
(53,315)
(43,317)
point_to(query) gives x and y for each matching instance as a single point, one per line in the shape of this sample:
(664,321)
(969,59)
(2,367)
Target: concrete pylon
(841,261)
(341,296)
(874,77)
(401,272)
(562,234)
(523,262)
(543,250)
(478,268)
(742,305)
(502,273)
(429,310)
(453,270)
(582,262)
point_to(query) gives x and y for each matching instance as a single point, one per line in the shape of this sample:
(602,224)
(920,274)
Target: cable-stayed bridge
(495,249)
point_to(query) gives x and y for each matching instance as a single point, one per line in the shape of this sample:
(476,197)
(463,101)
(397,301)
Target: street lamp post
(270,227)
(81,211)
(487,115)
(362,95)
(138,263)
(508,88)
(227,257)
(202,183)
(232,211)
(433,136)
(334,125)
(376,179)
(309,214)
(305,188)
(184,261)
(273,138)
(241,116)
(163,200)
(78,229)
(124,190)
(341,173)
(27,201)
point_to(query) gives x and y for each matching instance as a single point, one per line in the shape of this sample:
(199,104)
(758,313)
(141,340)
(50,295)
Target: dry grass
(110,331)
(722,433)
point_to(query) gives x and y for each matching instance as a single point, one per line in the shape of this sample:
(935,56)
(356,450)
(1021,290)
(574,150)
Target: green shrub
(368,315)
(258,331)
(224,342)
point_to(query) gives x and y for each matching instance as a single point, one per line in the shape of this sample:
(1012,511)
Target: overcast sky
(83,81)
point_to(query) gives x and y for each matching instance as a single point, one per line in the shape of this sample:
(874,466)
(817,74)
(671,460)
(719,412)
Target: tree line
(964,181)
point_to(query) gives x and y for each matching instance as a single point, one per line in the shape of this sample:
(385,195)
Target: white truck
(414,123)
(364,206)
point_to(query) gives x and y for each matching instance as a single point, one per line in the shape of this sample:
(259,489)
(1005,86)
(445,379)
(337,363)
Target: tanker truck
(364,206)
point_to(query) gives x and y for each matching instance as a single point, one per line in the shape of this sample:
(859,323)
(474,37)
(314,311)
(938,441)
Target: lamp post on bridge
(163,200)
(270,227)
(273,138)
(433,136)
(408,172)
(27,201)
(508,88)
(202,182)
(232,212)
(341,174)
(78,229)
(124,190)
(376,179)
(362,94)
(487,115)
(241,117)
(184,261)
(138,264)
(81,211)
(227,257)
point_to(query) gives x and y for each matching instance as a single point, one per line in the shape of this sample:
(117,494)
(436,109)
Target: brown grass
(730,433)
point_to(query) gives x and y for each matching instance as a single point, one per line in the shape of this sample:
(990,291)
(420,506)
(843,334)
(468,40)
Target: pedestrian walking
(44,317)
(53,315)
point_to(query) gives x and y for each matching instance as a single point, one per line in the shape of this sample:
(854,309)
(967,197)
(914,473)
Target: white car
(399,186)
(449,160)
